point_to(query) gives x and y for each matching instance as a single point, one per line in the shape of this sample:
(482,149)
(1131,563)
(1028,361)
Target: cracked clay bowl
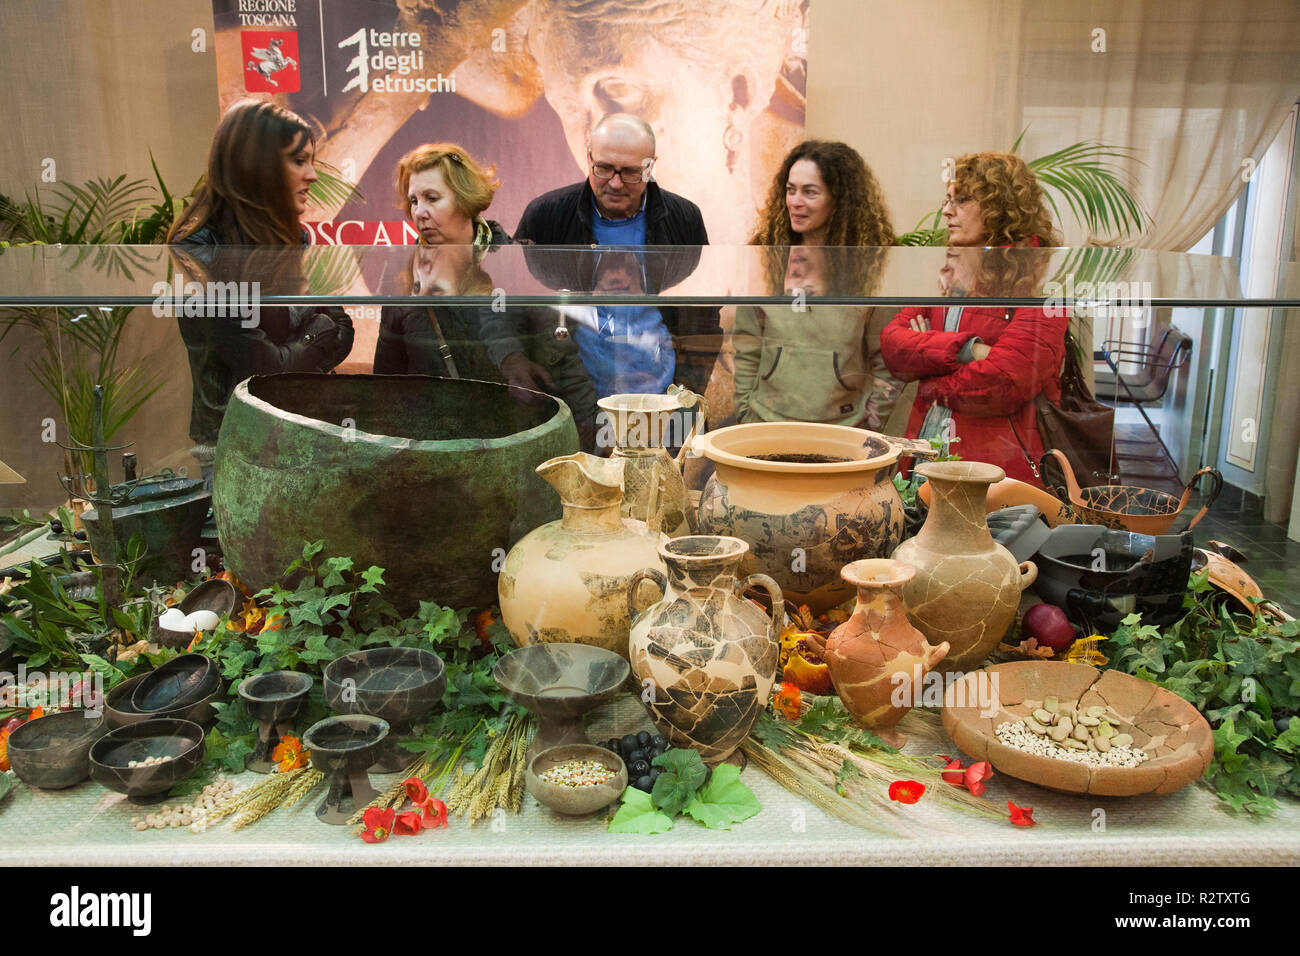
(1168,728)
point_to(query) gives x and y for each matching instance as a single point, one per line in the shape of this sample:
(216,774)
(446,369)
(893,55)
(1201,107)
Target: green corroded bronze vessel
(432,479)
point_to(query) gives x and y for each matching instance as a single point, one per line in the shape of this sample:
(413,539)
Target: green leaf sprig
(685,786)
(1241,671)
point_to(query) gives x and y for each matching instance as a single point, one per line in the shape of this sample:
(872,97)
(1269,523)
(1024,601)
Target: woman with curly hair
(824,229)
(981,369)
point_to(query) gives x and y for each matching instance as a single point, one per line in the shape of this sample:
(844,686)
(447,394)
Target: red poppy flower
(378,824)
(1021,816)
(416,791)
(906,791)
(408,823)
(435,813)
(954,773)
(975,776)
(787,701)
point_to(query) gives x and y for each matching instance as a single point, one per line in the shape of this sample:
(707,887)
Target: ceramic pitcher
(642,428)
(967,586)
(704,656)
(877,658)
(567,580)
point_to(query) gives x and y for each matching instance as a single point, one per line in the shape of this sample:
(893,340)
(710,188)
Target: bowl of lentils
(576,779)
(1072,728)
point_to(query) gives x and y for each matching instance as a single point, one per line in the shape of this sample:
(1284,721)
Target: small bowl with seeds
(576,779)
(1073,728)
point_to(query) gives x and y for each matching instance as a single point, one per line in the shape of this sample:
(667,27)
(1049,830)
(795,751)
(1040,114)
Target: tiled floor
(1236,518)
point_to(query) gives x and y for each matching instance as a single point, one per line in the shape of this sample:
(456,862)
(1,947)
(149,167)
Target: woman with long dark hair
(259,175)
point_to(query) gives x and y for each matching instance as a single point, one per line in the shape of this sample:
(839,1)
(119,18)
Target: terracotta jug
(967,586)
(567,580)
(641,429)
(808,497)
(705,657)
(876,657)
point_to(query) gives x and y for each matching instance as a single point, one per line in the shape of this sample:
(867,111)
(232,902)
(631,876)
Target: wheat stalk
(806,786)
(302,786)
(270,797)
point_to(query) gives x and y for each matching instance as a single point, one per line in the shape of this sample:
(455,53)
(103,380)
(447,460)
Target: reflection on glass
(515,346)
(230,336)
(981,369)
(813,363)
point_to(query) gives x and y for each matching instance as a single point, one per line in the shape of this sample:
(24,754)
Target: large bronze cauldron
(431,479)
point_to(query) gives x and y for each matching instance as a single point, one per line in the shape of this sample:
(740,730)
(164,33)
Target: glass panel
(536,275)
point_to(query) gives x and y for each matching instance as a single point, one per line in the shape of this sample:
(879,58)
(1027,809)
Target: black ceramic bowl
(276,695)
(347,742)
(181,740)
(398,684)
(1098,575)
(119,711)
(53,752)
(180,682)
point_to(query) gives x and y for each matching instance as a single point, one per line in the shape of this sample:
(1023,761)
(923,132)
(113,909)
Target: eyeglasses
(629,175)
(955,201)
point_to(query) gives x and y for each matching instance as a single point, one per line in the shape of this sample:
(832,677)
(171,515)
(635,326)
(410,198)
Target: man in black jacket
(619,205)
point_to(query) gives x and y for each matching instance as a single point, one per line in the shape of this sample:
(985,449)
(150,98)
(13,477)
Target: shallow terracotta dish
(1168,728)
(575,801)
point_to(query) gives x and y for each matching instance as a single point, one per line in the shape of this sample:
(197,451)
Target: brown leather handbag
(1080,426)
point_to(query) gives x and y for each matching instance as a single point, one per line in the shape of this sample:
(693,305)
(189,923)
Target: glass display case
(394,403)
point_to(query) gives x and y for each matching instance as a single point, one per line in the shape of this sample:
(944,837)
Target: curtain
(1195,88)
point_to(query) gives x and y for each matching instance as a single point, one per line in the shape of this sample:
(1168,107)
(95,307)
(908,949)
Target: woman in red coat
(980,369)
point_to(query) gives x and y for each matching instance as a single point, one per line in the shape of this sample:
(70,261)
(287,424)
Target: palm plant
(1084,176)
(106,219)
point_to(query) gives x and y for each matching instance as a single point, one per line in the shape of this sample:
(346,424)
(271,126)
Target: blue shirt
(630,349)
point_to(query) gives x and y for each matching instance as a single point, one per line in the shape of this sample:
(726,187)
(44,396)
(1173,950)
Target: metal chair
(1156,364)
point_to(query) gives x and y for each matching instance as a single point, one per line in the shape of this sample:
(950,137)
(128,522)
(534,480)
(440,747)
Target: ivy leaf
(1288,740)
(638,815)
(6,781)
(1247,654)
(683,773)
(373,577)
(724,800)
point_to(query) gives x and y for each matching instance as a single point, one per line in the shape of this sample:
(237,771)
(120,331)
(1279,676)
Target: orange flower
(1021,816)
(482,621)
(787,701)
(906,791)
(288,753)
(4,750)
(36,713)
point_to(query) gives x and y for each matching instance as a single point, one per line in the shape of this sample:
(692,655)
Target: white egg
(172,619)
(202,620)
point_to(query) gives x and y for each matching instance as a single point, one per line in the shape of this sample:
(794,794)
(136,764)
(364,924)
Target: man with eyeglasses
(625,348)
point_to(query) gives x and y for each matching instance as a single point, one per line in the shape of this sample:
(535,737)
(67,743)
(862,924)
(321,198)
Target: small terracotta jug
(877,658)
(967,586)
